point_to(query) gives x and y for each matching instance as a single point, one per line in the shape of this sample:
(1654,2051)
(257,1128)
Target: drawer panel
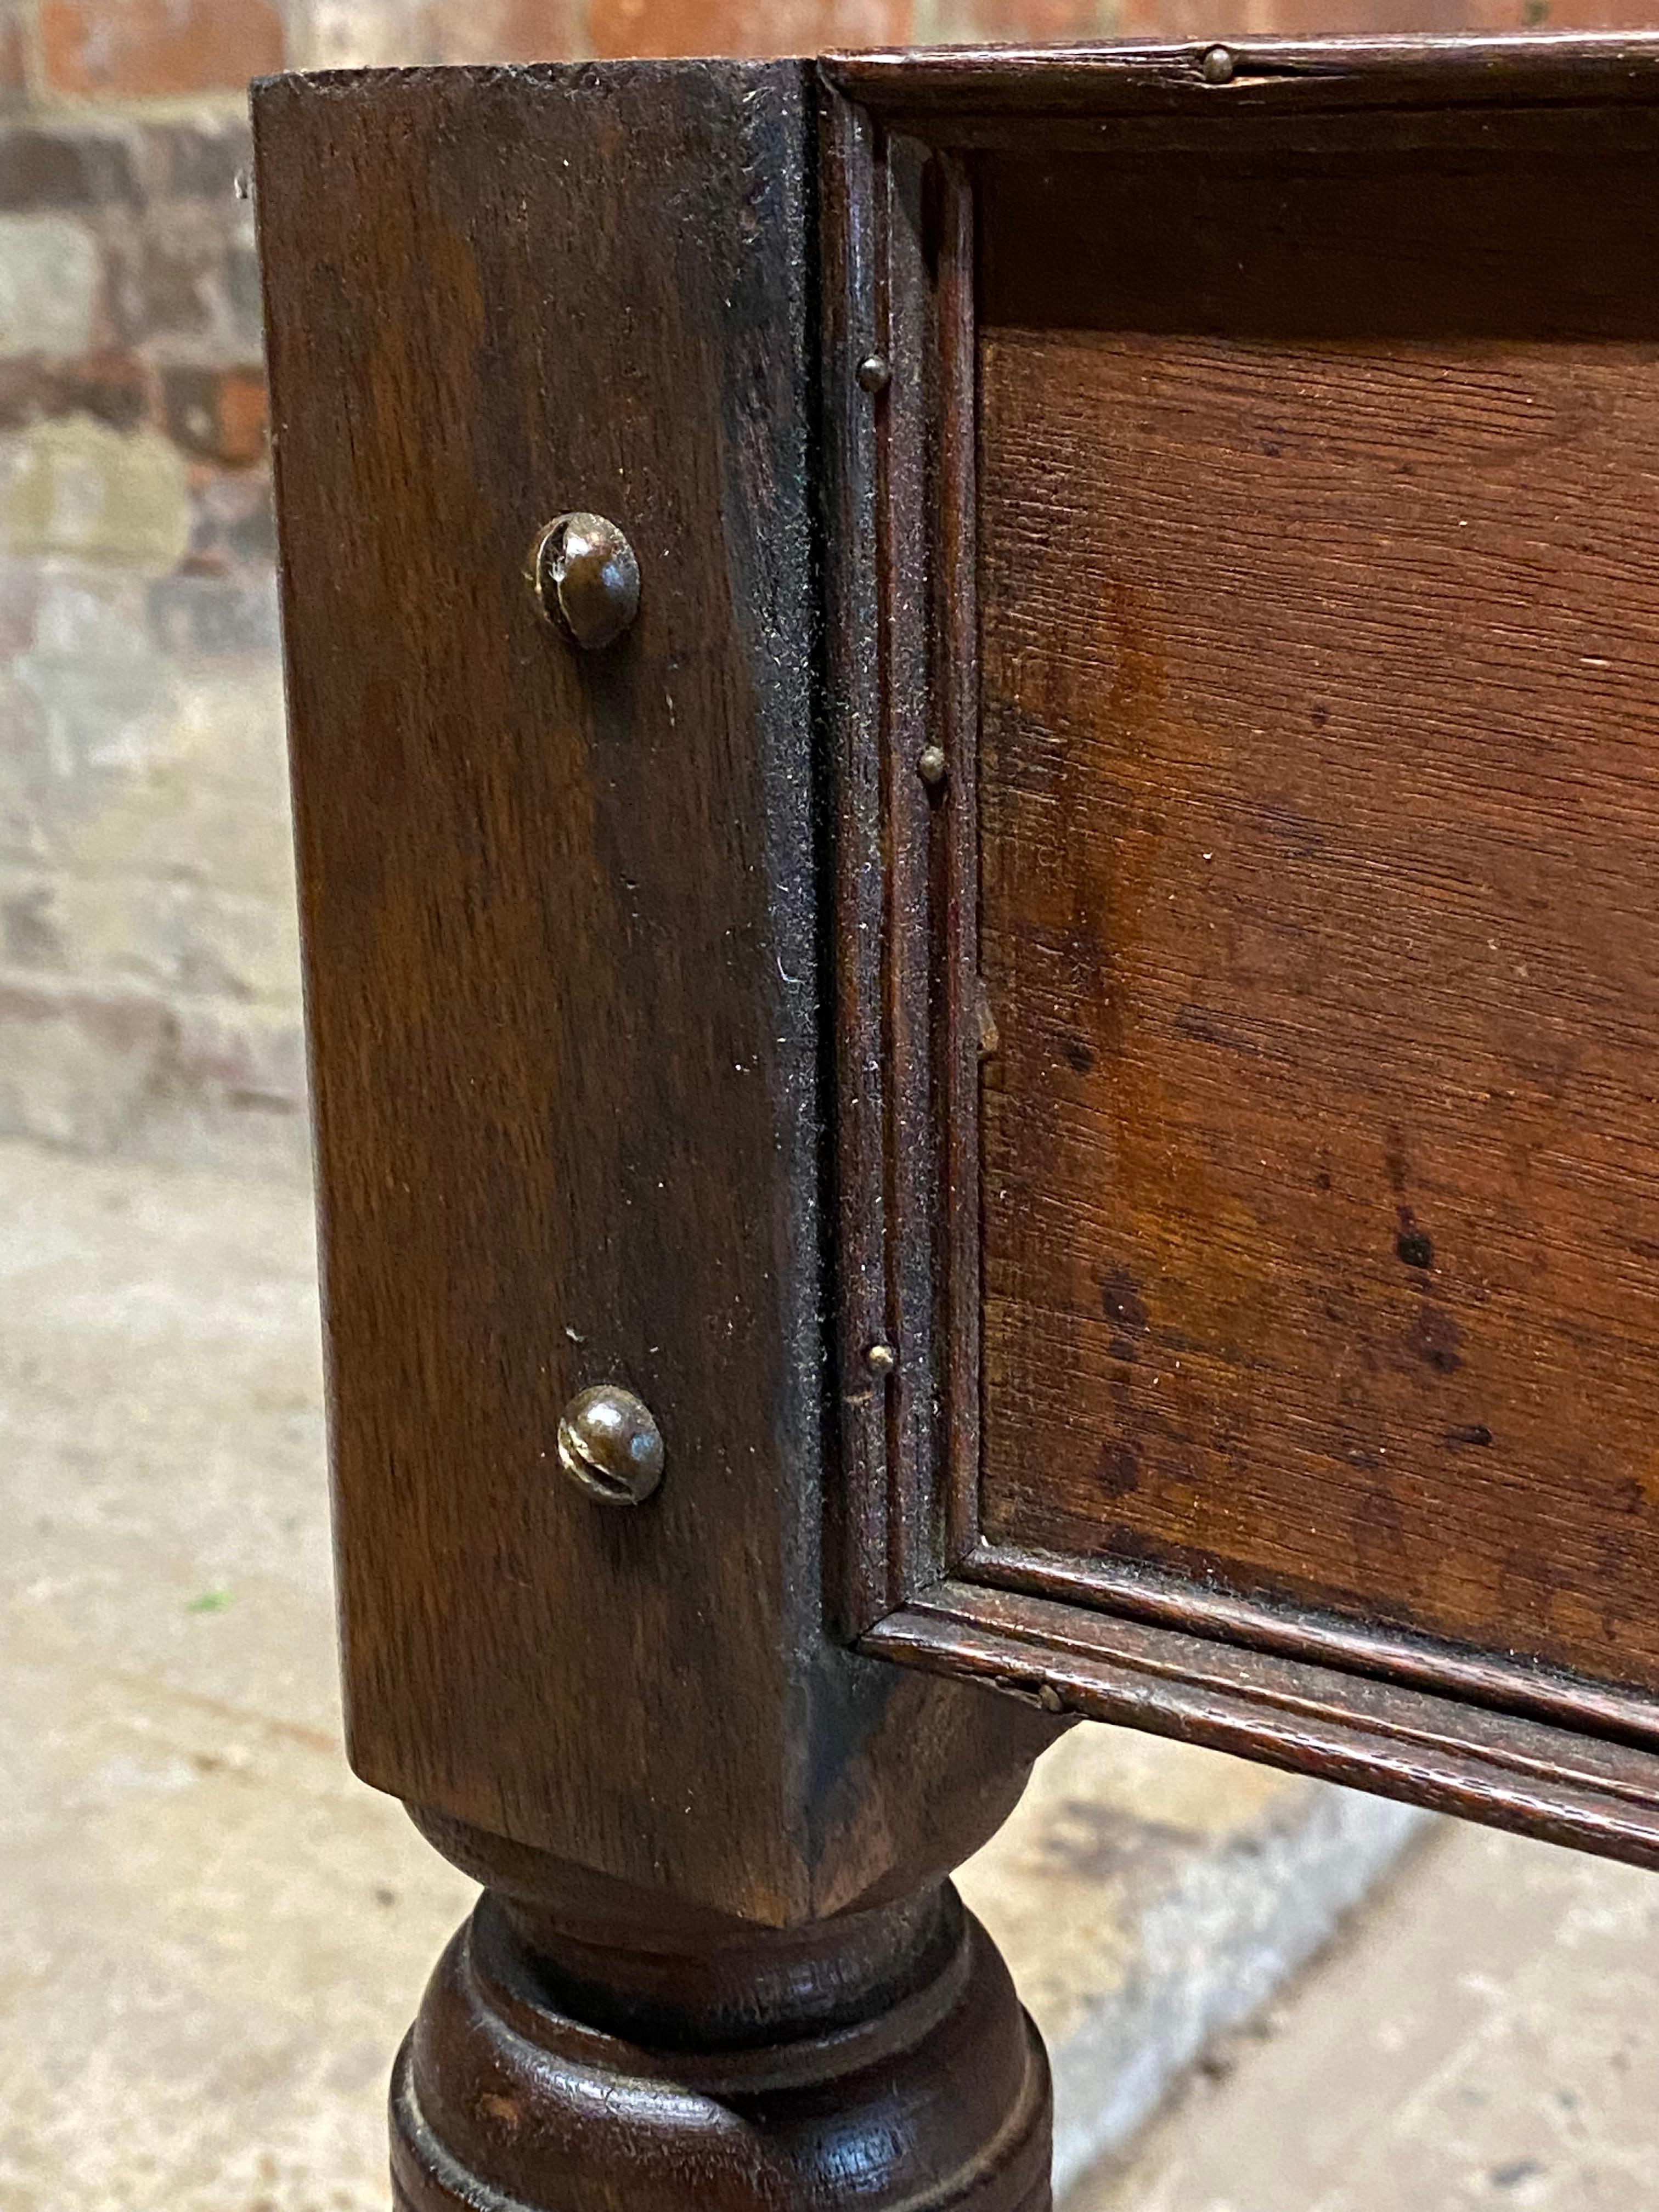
(1243,684)
(1319,797)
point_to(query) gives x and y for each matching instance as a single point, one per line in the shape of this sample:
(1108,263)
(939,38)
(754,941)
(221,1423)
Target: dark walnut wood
(1052,1004)
(585,2044)
(561,913)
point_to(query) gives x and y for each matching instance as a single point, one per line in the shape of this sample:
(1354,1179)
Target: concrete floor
(1485,2034)
(213,1937)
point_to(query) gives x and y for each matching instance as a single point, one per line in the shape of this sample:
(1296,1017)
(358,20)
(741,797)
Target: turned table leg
(584,2044)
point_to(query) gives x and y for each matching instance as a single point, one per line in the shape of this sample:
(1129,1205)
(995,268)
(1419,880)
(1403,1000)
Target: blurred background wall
(215,1937)
(148,992)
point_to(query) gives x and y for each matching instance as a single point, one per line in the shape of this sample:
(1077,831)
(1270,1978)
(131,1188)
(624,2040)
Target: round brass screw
(931,764)
(586,579)
(881,1358)
(610,1445)
(875,372)
(1218,66)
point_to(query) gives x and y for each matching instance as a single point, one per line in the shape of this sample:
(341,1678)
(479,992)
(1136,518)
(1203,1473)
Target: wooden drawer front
(1319,518)
(1245,674)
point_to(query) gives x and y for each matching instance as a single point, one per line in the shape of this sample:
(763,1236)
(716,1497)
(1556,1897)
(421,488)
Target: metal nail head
(586,579)
(881,1358)
(1218,66)
(875,372)
(610,1445)
(931,764)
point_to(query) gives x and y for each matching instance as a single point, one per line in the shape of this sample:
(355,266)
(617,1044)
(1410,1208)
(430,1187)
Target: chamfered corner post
(542,349)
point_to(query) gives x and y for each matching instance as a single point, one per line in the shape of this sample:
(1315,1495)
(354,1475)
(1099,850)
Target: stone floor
(1484,2035)
(214,1937)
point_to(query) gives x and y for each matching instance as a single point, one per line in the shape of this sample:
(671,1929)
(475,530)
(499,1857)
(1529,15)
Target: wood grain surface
(561,930)
(1320,563)
(1562,1785)
(877,2059)
(1009,95)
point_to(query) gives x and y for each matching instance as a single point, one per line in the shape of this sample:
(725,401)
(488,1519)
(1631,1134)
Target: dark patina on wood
(1056,1018)
(560,914)
(562,905)
(1321,771)
(1304,896)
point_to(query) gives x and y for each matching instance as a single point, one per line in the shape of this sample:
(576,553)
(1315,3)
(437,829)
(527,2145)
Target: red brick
(216,414)
(112,386)
(64,164)
(1024,22)
(744,26)
(1266,19)
(123,48)
(505,30)
(1300,18)
(242,417)
(13,58)
(1564,15)
(19,604)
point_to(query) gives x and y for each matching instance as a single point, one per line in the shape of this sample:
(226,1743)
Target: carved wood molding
(1489,1727)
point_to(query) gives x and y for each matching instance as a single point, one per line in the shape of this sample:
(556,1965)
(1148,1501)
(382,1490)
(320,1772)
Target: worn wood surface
(1297,897)
(1562,1785)
(583,2048)
(1293,891)
(901,696)
(1253,371)
(958,95)
(561,928)
(1320,791)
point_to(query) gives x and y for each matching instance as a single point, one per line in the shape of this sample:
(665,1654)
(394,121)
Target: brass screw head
(610,1445)
(586,579)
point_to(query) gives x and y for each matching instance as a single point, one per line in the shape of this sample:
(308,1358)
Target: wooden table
(976,755)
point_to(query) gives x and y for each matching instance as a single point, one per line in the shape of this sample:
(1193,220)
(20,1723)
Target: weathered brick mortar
(148,996)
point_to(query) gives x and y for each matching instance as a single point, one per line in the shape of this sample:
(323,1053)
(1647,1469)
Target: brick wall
(148,994)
